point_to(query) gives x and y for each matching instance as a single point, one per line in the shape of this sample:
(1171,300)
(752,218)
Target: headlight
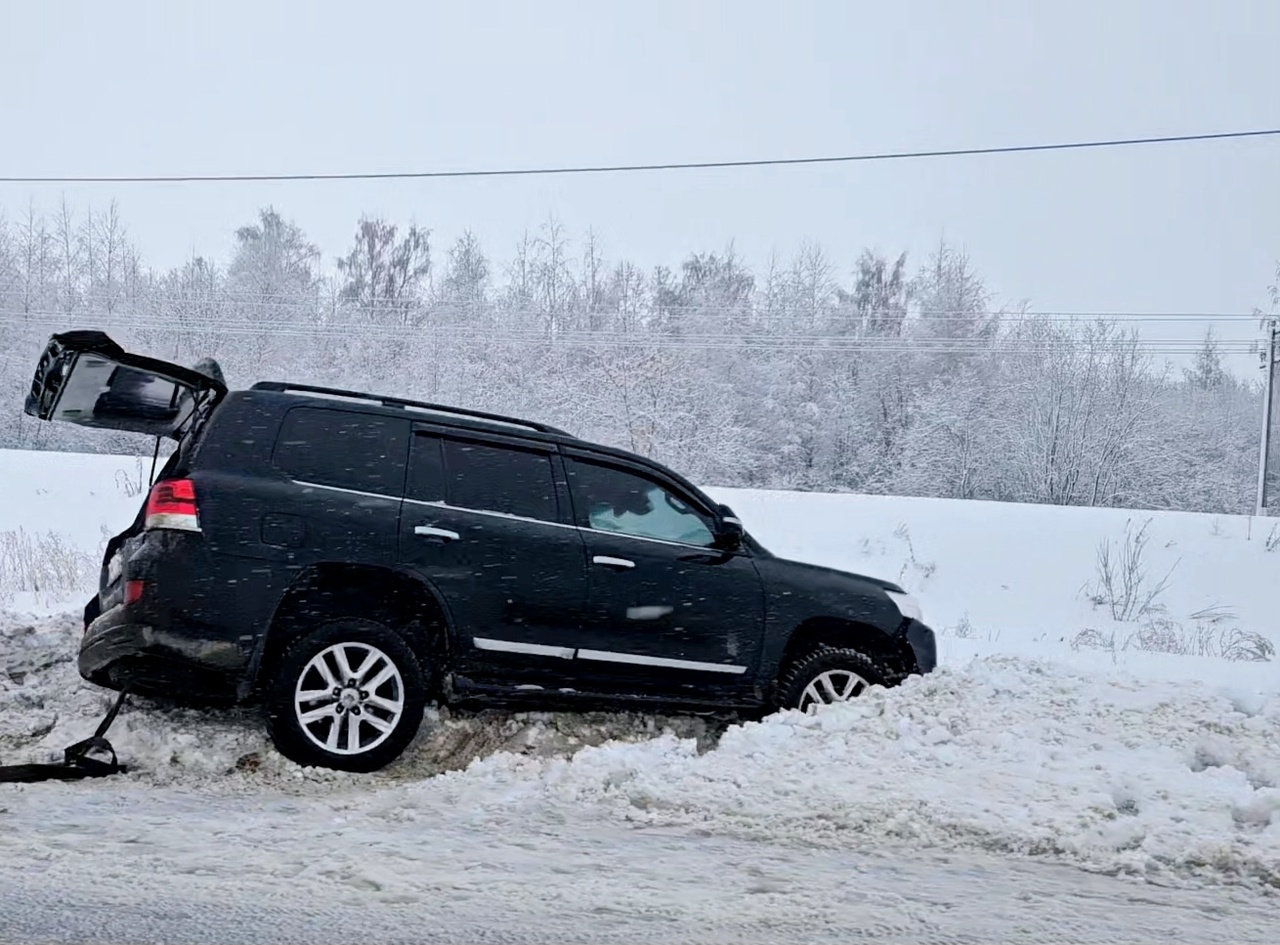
(908,605)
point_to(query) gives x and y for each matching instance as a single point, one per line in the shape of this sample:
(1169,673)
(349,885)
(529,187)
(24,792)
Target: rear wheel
(825,676)
(349,695)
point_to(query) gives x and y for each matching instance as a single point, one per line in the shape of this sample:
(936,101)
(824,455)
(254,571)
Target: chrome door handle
(430,531)
(613,562)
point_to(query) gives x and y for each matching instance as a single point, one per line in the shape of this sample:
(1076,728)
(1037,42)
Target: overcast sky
(261,87)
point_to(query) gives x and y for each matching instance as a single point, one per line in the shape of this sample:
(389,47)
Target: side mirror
(729,530)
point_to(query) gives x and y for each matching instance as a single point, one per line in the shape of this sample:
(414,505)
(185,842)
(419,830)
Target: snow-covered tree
(1207,373)
(791,380)
(466,281)
(273,259)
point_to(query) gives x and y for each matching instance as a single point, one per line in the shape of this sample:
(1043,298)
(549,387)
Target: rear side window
(343,449)
(426,470)
(504,479)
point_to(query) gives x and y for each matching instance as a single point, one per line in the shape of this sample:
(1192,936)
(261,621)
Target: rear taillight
(133,591)
(172,504)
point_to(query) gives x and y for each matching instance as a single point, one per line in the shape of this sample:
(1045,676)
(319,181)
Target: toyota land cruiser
(344,557)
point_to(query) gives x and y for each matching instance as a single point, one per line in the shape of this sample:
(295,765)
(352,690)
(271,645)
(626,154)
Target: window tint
(609,499)
(344,449)
(426,470)
(500,479)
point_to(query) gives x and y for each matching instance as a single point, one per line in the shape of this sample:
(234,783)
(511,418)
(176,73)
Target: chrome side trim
(367,495)
(436,504)
(603,656)
(587,532)
(529,649)
(606,656)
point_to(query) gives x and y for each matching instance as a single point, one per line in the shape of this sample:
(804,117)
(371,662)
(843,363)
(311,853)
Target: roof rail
(284,386)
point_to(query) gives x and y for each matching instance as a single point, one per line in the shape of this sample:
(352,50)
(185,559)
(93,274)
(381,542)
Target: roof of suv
(455,415)
(477,420)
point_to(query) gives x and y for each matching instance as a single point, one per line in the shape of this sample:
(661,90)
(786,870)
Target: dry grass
(1091,639)
(1124,586)
(925,569)
(1162,635)
(1122,583)
(48,567)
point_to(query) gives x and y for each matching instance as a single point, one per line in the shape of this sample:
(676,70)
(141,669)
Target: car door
(668,612)
(487,522)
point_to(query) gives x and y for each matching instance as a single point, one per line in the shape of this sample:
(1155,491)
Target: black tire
(301,743)
(809,667)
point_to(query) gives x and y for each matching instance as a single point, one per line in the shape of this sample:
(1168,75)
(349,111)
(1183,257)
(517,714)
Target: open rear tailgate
(84,377)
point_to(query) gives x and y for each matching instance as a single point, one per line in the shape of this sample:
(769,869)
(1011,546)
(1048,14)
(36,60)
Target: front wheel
(348,696)
(825,676)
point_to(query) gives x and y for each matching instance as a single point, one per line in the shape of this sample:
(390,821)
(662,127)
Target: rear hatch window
(85,378)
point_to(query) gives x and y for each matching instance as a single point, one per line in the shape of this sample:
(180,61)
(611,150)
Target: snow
(86,497)
(1017,572)
(1021,757)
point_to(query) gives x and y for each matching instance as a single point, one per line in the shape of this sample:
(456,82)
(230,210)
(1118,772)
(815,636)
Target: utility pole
(1268,395)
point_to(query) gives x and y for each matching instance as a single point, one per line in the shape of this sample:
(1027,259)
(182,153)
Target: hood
(835,574)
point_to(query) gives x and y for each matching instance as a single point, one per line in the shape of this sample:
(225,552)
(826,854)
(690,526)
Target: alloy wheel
(349,698)
(831,687)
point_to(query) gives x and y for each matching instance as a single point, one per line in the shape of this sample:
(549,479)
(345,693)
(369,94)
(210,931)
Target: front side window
(490,478)
(612,500)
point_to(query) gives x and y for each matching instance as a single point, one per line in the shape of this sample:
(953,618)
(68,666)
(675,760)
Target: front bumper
(121,650)
(923,645)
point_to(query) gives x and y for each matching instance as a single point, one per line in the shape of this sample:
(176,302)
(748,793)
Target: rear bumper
(923,645)
(121,650)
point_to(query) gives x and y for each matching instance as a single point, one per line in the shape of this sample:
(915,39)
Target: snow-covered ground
(1055,780)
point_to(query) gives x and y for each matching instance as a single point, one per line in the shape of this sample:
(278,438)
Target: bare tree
(35,260)
(8,263)
(554,286)
(880,294)
(71,264)
(594,283)
(384,276)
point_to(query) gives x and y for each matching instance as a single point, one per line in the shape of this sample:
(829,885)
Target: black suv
(344,557)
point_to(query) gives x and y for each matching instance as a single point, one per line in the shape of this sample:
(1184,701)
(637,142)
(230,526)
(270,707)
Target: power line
(134,320)
(628,168)
(464,334)
(752,313)
(656,345)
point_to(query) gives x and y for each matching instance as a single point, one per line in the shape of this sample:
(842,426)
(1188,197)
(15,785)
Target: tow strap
(76,763)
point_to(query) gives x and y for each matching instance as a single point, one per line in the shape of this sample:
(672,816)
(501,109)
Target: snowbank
(1009,755)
